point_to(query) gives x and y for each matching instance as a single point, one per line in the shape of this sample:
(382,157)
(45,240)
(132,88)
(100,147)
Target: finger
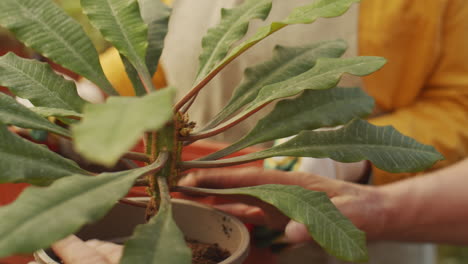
(242,177)
(296,233)
(111,251)
(73,250)
(258,213)
(246,213)
(273,216)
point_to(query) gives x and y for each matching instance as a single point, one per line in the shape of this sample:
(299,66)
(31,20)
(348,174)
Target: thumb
(296,232)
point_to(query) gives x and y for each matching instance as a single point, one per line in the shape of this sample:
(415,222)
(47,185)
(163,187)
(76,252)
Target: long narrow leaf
(156,16)
(132,74)
(38,83)
(326,225)
(109,130)
(300,15)
(233,26)
(286,63)
(41,216)
(385,147)
(46,28)
(13,113)
(121,24)
(24,161)
(312,110)
(324,75)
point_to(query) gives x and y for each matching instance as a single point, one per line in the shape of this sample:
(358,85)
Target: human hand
(73,250)
(363,205)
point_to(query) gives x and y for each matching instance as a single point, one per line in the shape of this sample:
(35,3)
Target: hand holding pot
(410,210)
(357,202)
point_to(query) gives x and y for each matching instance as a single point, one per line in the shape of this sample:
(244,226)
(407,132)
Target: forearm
(430,208)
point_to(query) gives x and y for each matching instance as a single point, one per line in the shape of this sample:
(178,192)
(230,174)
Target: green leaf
(158,241)
(109,130)
(13,113)
(156,16)
(301,15)
(385,147)
(132,74)
(43,26)
(121,24)
(38,83)
(328,227)
(56,112)
(24,161)
(41,216)
(313,109)
(325,75)
(286,63)
(233,26)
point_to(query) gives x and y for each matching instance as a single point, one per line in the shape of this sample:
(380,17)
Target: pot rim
(244,243)
(240,253)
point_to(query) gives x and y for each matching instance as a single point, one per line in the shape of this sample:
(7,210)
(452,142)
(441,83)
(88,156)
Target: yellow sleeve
(436,113)
(115,72)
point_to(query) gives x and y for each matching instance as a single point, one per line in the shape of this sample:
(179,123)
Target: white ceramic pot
(196,221)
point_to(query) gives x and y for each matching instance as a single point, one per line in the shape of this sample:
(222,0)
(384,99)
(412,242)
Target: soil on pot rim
(203,253)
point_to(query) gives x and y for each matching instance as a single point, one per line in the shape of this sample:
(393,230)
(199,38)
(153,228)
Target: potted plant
(303,80)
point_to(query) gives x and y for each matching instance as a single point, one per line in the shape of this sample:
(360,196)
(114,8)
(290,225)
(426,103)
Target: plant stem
(223,127)
(129,164)
(133,203)
(164,191)
(159,163)
(141,182)
(164,141)
(239,145)
(153,189)
(223,162)
(214,72)
(137,156)
(196,89)
(150,150)
(167,141)
(189,104)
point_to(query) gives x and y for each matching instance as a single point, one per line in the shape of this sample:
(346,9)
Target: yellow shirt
(424,85)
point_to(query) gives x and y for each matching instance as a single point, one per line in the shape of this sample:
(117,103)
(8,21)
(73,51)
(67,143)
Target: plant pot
(197,221)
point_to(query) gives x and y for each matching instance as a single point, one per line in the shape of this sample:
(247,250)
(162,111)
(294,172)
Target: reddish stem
(225,126)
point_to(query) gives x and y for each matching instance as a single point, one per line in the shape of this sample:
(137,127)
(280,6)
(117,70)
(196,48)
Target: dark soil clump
(206,253)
